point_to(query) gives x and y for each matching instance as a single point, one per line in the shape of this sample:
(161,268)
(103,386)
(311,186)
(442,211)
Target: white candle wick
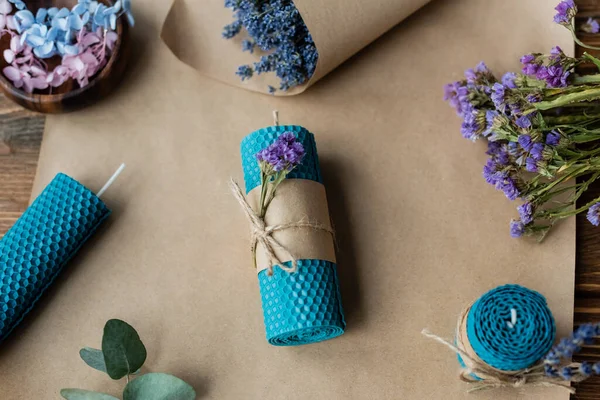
(111,180)
(276,117)
(513,318)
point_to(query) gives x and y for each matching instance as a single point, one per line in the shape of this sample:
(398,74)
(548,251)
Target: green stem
(586,79)
(586,95)
(579,42)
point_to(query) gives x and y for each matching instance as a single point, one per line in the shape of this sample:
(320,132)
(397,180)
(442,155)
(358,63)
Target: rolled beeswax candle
(304,306)
(510,328)
(41,242)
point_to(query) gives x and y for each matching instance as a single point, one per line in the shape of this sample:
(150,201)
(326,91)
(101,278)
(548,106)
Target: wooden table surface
(21,136)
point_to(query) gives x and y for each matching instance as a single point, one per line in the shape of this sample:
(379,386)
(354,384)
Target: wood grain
(21,136)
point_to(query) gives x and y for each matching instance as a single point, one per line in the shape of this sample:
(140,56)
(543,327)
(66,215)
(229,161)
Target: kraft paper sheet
(192,30)
(420,233)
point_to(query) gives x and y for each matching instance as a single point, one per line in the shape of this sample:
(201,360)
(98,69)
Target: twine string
(490,377)
(263,234)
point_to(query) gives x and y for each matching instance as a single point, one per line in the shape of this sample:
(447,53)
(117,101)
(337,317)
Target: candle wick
(111,180)
(276,117)
(513,318)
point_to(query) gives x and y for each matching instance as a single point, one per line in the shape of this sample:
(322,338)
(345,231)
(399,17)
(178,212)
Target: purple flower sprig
(565,15)
(276,31)
(557,363)
(275,163)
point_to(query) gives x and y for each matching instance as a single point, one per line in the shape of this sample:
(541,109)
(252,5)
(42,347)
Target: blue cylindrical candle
(510,328)
(304,306)
(41,242)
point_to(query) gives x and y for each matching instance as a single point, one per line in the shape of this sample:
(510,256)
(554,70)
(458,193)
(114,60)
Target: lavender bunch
(276,28)
(542,127)
(276,162)
(557,362)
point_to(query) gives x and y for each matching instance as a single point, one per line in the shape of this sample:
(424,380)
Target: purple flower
(498,96)
(470,128)
(473,75)
(554,75)
(524,121)
(283,154)
(525,142)
(531,165)
(534,97)
(526,213)
(593,214)
(508,186)
(537,151)
(566,348)
(553,138)
(556,53)
(492,173)
(490,115)
(591,26)
(565,11)
(517,229)
(508,80)
(530,66)
(457,94)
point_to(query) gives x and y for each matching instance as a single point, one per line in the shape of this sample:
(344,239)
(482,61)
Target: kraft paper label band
(297,200)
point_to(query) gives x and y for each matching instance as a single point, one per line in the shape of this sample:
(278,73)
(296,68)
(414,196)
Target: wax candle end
(111,180)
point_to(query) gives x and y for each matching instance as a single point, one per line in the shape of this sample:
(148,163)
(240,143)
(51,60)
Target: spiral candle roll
(42,241)
(509,328)
(303,306)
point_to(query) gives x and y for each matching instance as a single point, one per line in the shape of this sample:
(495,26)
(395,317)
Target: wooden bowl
(69,96)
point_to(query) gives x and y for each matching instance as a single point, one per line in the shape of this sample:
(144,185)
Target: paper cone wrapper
(340,28)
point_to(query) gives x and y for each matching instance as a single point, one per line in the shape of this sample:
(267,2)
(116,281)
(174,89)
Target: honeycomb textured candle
(42,241)
(305,306)
(511,348)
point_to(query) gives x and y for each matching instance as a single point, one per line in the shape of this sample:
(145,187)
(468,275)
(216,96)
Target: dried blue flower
(244,72)
(248,45)
(275,27)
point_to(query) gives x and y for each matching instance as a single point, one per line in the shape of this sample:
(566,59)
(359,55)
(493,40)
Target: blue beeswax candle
(509,328)
(42,241)
(304,306)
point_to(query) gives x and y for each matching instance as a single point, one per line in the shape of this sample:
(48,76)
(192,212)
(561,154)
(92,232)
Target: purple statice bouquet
(542,127)
(57,45)
(275,30)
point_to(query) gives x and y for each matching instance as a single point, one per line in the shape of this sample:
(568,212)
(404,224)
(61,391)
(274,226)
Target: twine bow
(490,377)
(263,234)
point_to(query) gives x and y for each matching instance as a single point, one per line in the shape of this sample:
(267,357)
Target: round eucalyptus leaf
(80,394)
(124,352)
(157,386)
(94,358)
